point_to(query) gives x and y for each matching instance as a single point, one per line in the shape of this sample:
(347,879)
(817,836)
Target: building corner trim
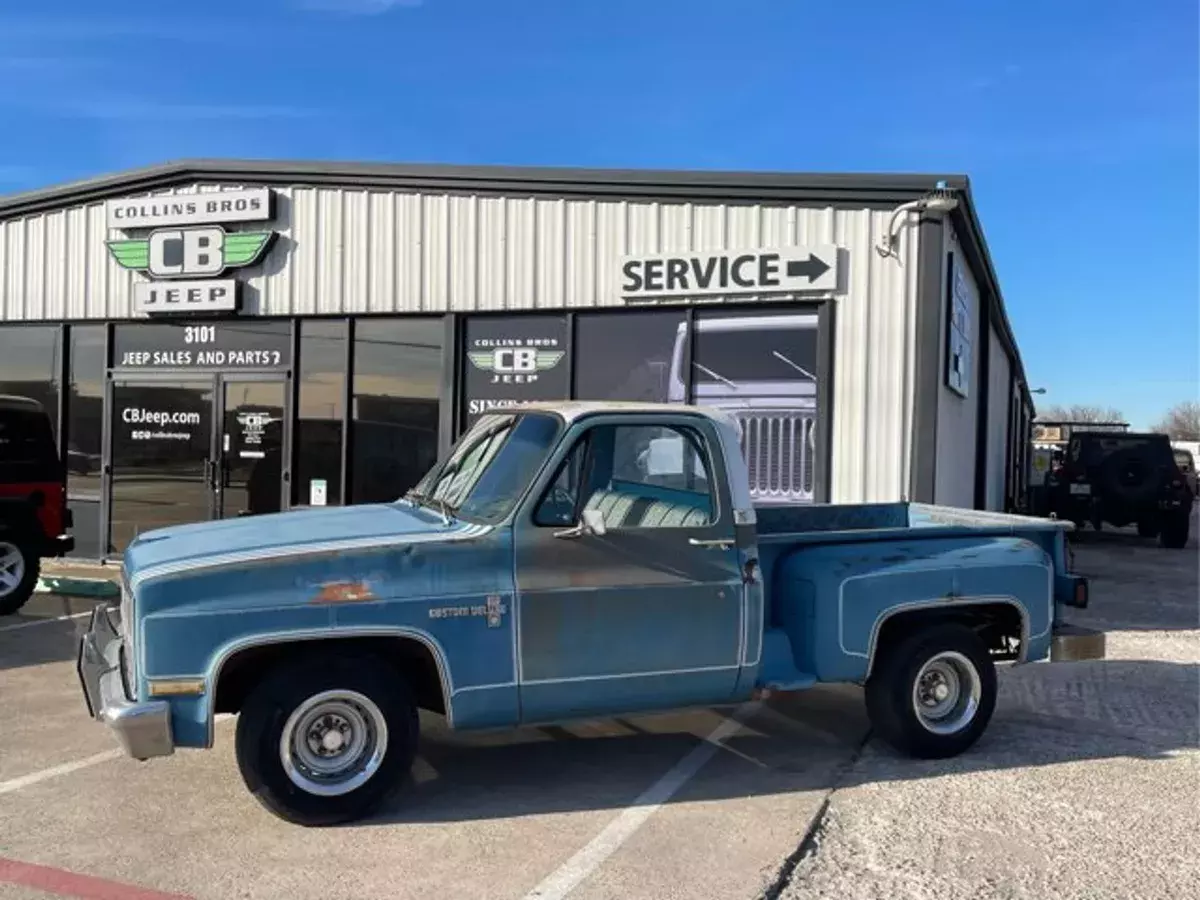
(927,356)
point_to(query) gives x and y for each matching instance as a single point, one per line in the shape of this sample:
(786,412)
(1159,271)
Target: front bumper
(142,729)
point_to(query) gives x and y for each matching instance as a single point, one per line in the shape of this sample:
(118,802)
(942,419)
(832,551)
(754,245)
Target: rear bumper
(142,729)
(1073,643)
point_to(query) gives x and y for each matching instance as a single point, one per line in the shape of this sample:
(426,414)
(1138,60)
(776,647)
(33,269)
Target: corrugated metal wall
(360,251)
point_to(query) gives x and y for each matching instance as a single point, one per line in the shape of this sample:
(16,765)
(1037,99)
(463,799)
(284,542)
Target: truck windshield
(489,467)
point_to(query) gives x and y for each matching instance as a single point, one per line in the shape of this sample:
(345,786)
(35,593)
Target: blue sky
(1077,121)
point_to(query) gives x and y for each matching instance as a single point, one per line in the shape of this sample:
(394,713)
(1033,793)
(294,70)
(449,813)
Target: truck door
(648,614)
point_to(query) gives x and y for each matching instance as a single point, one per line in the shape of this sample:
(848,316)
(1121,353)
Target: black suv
(1122,478)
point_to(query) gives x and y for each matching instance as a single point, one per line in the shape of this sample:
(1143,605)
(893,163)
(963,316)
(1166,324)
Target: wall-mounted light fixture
(937,202)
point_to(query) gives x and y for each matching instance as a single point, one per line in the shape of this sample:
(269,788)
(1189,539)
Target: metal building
(222,338)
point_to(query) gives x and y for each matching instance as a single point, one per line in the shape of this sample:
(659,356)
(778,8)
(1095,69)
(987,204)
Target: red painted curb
(71,884)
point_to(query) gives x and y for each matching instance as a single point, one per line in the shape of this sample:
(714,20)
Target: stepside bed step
(779,672)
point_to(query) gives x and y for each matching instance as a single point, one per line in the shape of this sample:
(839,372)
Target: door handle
(719,543)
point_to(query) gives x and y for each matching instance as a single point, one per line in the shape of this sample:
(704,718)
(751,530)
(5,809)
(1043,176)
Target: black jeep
(1122,478)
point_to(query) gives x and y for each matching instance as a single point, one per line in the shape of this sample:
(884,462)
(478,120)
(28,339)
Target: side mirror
(591,522)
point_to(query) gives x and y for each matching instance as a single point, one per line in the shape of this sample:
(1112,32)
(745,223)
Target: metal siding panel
(997,426)
(410,231)
(610,246)
(76,274)
(522,253)
(957,415)
(580,261)
(642,228)
(5,290)
(383,253)
(304,263)
(676,219)
(550,241)
(435,242)
(708,227)
(330,250)
(492,262)
(463,250)
(354,241)
(34,300)
(55,263)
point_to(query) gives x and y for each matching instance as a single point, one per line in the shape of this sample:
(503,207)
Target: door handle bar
(720,543)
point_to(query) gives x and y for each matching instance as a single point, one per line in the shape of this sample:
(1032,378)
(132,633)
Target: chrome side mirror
(591,522)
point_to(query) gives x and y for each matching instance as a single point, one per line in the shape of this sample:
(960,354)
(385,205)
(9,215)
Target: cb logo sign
(204,251)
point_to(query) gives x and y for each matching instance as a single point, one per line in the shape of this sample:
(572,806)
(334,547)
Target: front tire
(932,692)
(326,740)
(20,569)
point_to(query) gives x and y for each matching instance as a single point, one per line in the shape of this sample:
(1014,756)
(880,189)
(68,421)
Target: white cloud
(356,7)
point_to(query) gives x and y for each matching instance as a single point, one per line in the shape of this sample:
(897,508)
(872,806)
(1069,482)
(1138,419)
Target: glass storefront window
(85,428)
(396,388)
(30,365)
(322,410)
(630,356)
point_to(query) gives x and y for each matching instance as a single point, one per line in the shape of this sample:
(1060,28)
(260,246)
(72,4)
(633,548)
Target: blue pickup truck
(564,561)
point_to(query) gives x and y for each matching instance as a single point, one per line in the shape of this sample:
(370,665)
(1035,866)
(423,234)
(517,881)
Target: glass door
(252,458)
(162,455)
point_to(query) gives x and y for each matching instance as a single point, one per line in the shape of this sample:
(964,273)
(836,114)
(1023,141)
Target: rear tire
(20,569)
(1174,532)
(932,692)
(327,739)
(1147,529)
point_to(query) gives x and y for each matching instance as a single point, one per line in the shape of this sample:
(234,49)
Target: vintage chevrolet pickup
(564,561)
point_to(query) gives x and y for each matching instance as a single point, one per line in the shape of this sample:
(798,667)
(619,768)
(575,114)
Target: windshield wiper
(436,503)
(711,374)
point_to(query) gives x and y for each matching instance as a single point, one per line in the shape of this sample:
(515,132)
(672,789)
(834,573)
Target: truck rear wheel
(19,571)
(326,740)
(932,692)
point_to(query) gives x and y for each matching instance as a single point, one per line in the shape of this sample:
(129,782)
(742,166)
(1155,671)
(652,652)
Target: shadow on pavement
(1047,715)
(37,635)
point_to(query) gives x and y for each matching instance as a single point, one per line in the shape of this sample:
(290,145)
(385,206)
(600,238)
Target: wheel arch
(995,616)
(415,654)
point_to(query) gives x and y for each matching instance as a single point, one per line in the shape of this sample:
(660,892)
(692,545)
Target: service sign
(188,249)
(772,270)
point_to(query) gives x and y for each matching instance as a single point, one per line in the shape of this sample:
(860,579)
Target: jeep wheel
(326,740)
(1147,529)
(932,693)
(1174,532)
(19,571)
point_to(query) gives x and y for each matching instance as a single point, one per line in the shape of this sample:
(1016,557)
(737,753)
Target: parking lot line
(72,884)
(15,784)
(567,877)
(19,625)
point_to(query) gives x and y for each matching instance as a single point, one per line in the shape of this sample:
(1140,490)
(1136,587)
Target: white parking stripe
(15,784)
(567,877)
(21,625)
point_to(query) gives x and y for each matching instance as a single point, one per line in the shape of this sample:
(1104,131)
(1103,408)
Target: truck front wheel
(932,692)
(326,740)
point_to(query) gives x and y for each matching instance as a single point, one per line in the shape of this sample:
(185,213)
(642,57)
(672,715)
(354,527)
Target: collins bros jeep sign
(188,249)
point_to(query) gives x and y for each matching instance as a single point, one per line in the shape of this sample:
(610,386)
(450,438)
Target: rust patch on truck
(344,592)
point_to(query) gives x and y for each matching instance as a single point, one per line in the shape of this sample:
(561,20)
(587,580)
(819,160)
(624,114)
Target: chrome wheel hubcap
(946,693)
(12,568)
(333,742)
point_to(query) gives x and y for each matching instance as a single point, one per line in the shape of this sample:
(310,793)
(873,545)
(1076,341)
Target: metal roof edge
(764,185)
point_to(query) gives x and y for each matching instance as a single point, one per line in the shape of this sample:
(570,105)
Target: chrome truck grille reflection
(779,446)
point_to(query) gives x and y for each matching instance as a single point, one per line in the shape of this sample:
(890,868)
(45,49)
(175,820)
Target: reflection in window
(397,380)
(30,363)
(85,424)
(630,356)
(318,436)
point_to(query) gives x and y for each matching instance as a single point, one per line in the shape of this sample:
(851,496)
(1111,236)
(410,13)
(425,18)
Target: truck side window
(639,476)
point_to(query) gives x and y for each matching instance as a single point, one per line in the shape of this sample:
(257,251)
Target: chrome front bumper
(142,729)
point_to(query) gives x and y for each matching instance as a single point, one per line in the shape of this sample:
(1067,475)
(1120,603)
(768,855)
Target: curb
(68,586)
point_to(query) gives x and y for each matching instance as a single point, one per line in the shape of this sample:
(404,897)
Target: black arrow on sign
(814,267)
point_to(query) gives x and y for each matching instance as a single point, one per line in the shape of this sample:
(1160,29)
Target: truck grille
(778,447)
